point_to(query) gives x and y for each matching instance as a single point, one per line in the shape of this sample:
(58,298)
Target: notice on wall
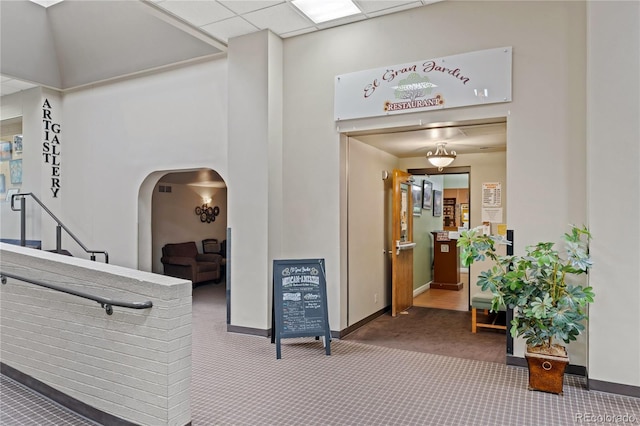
(491,194)
(492,215)
(300,301)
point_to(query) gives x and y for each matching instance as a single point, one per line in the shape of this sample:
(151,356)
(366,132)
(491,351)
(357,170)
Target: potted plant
(550,306)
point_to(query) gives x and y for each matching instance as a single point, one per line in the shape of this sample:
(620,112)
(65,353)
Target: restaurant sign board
(474,78)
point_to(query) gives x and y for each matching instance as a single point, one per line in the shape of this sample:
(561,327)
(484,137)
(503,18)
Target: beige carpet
(238,381)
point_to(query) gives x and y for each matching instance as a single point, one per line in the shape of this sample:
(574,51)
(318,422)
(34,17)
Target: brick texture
(133,364)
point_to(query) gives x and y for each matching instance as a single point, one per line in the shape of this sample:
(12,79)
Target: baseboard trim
(263,333)
(362,322)
(421,289)
(592,384)
(249,330)
(516,361)
(446,286)
(576,370)
(65,400)
(617,388)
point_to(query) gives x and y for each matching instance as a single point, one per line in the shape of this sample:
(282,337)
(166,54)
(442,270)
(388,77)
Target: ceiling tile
(241,6)
(394,9)
(198,13)
(224,30)
(10,85)
(368,6)
(280,19)
(342,21)
(298,32)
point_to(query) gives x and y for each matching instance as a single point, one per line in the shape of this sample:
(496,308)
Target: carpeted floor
(434,331)
(237,380)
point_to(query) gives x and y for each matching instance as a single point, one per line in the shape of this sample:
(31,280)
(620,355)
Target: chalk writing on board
(300,305)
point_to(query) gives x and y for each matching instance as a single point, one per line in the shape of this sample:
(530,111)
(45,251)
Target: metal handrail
(60,225)
(106,303)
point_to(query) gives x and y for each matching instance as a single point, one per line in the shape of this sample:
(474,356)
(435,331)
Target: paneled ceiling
(75,44)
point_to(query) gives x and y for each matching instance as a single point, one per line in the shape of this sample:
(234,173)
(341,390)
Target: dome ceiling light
(441,158)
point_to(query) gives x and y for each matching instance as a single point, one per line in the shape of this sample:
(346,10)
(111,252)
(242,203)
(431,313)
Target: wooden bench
(484,303)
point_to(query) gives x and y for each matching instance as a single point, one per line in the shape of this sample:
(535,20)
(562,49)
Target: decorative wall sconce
(206,213)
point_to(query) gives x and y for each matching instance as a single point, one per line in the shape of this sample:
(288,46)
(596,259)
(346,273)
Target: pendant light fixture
(441,158)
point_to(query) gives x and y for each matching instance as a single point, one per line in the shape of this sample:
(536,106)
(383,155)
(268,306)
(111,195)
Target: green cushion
(483,302)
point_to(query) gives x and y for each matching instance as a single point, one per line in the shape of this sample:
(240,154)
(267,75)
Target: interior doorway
(371,156)
(452,217)
(180,202)
(183,206)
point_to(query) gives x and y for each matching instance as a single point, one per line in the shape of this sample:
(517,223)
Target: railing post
(59,228)
(23,222)
(58,239)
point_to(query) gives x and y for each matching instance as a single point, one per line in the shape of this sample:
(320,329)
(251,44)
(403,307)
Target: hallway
(238,381)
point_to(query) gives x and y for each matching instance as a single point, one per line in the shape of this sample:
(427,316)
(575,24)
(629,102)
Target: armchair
(182,260)
(211,245)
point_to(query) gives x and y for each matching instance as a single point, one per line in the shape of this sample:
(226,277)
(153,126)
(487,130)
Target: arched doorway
(168,198)
(171,211)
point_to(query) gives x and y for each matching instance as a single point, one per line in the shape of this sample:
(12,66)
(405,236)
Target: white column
(255,174)
(613,155)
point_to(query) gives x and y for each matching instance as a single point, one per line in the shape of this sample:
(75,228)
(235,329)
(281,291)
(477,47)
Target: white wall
(369,226)
(548,66)
(614,198)
(256,174)
(116,135)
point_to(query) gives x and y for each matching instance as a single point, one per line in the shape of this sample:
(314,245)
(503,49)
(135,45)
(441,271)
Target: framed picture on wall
(5,151)
(416,195)
(15,171)
(11,193)
(427,195)
(17,144)
(437,203)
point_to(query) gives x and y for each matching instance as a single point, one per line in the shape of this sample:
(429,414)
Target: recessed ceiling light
(326,10)
(46,3)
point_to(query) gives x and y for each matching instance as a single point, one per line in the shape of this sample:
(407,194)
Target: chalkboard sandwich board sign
(300,301)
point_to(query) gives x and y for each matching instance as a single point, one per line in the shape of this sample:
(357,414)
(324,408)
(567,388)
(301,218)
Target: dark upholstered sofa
(182,260)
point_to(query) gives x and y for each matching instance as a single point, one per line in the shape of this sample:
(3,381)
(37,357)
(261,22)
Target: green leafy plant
(548,305)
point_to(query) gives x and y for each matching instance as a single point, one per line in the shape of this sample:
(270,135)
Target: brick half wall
(133,364)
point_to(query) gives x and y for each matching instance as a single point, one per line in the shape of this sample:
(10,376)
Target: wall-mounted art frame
(15,171)
(11,192)
(17,144)
(427,194)
(5,151)
(416,197)
(437,203)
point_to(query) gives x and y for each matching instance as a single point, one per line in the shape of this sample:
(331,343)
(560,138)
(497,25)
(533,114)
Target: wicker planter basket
(546,372)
